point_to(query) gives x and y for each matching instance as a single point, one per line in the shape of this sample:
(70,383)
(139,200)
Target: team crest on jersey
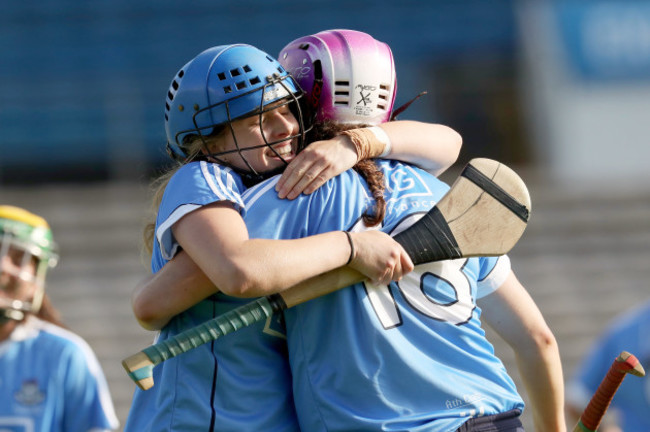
(409,191)
(29,394)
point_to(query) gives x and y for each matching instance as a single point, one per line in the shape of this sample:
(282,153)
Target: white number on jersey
(439,290)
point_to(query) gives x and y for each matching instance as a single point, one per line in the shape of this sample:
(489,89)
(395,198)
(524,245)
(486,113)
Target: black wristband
(351,247)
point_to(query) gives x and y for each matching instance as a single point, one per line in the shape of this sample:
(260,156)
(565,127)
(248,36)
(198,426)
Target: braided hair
(367,168)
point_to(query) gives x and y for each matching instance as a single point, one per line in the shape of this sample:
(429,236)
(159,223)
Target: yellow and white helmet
(28,238)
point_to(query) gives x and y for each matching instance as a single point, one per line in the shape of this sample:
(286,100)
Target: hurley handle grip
(139,366)
(593,414)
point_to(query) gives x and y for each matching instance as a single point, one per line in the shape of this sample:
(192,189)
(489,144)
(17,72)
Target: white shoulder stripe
(254,193)
(224,192)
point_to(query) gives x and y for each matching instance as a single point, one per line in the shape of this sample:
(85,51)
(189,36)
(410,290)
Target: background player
(50,380)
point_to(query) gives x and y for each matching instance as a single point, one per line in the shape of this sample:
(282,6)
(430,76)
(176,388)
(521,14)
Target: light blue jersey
(632,400)
(243,381)
(237,383)
(51,381)
(412,356)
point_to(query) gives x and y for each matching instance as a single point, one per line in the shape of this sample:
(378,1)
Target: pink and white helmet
(348,76)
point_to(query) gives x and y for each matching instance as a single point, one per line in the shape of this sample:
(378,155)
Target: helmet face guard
(27,251)
(348,76)
(221,85)
(280,92)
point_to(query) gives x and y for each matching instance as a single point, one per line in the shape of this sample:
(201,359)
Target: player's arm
(243,267)
(176,287)
(216,239)
(433,147)
(516,318)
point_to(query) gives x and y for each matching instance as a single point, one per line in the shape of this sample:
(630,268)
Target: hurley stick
(484,213)
(593,414)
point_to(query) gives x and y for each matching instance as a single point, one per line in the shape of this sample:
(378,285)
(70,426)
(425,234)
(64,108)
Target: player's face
(276,125)
(17,275)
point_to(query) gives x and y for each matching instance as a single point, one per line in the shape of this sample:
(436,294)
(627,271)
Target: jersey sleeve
(191,187)
(88,405)
(493,272)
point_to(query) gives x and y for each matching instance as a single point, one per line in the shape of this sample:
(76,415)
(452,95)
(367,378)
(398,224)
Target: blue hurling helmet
(220,85)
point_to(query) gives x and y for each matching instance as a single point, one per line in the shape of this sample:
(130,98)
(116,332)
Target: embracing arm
(244,267)
(176,287)
(433,147)
(216,239)
(513,314)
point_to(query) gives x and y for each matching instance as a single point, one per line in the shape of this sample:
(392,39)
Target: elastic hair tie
(351,247)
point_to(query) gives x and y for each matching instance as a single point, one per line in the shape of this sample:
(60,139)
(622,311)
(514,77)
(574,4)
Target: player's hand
(317,163)
(380,258)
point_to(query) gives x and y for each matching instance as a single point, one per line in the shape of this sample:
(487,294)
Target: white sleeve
(495,277)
